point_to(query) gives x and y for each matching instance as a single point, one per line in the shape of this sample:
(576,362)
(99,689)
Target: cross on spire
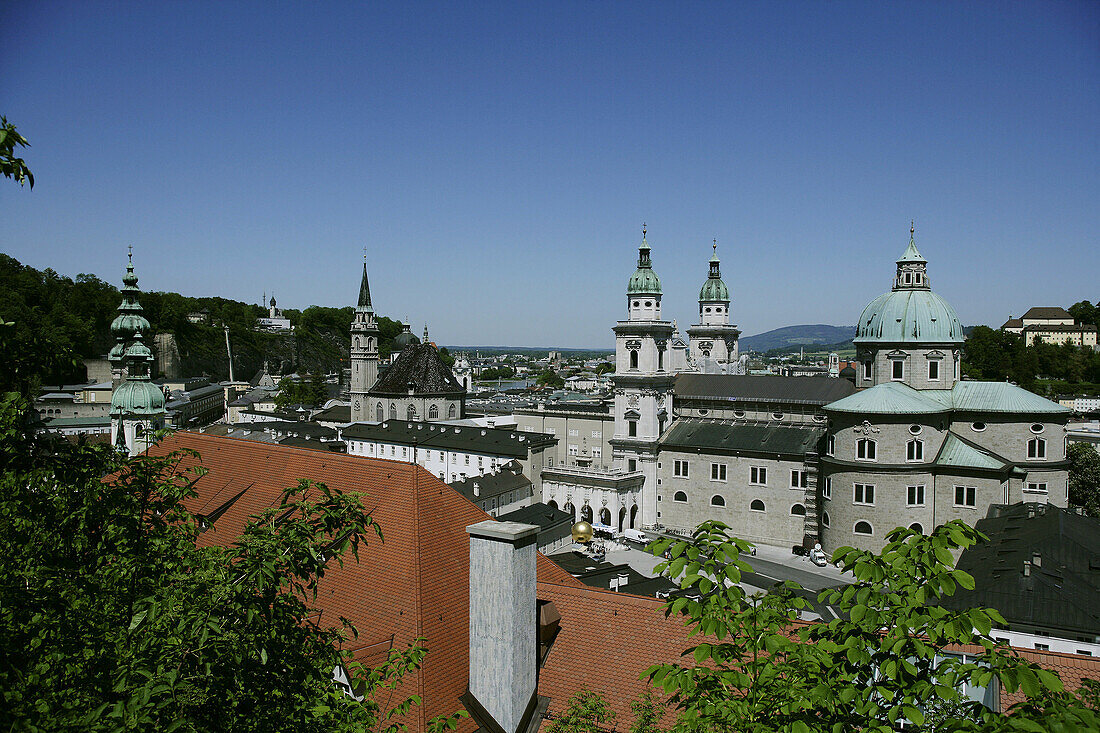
(643,230)
(715,244)
(364,255)
(130,252)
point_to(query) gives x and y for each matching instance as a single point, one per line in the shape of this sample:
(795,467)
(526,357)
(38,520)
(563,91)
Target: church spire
(364,289)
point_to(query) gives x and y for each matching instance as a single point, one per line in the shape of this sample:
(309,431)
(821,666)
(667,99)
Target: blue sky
(498,160)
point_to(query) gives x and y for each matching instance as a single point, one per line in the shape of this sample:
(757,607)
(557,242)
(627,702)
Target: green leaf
(137,619)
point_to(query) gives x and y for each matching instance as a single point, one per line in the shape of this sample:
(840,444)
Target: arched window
(357,342)
(393,411)
(552,504)
(680,496)
(798,510)
(1036,449)
(379,413)
(825,519)
(863,528)
(605,517)
(633,359)
(451,411)
(433,413)
(756,505)
(866,449)
(914,450)
(915,526)
(411,412)
(717,500)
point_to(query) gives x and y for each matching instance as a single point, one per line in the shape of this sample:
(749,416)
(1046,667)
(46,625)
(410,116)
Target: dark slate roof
(336,413)
(770,388)
(490,441)
(545,517)
(700,435)
(1060,328)
(509,478)
(1047,312)
(600,574)
(1014,323)
(1061,591)
(364,290)
(420,366)
(294,441)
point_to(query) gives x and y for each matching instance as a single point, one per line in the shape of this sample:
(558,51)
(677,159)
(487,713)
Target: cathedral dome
(405,338)
(714,289)
(909,316)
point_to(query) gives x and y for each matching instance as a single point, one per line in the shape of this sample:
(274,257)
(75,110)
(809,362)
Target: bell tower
(643,380)
(364,350)
(713,346)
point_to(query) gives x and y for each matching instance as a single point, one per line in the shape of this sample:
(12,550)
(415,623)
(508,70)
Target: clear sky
(497,161)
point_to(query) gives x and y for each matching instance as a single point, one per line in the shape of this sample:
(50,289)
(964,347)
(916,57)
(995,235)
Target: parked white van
(636,535)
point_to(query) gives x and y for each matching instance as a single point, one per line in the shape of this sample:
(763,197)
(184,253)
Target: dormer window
(908,278)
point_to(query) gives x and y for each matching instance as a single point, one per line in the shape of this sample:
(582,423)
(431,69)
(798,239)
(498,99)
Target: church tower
(137,405)
(364,351)
(714,340)
(643,380)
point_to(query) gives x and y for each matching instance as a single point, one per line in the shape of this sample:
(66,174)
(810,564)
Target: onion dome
(405,338)
(129,319)
(714,289)
(644,281)
(910,312)
(137,396)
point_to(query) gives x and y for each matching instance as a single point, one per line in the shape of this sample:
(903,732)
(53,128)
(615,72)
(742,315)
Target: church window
(451,411)
(827,489)
(632,465)
(357,343)
(636,304)
(918,276)
(934,370)
(915,526)
(830,445)
(965,496)
(914,496)
(717,501)
(648,304)
(757,506)
(379,413)
(1037,448)
(799,479)
(707,310)
(867,369)
(393,411)
(908,278)
(914,450)
(915,429)
(680,496)
(632,428)
(1039,488)
(825,519)
(897,367)
(433,413)
(660,360)
(978,427)
(758,475)
(633,359)
(797,510)
(864,494)
(866,449)
(411,412)
(718,472)
(1037,427)
(863,528)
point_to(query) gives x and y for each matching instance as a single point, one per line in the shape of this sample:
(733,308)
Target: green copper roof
(714,289)
(137,397)
(892,398)
(909,316)
(1001,397)
(958,453)
(911,254)
(644,281)
(896,398)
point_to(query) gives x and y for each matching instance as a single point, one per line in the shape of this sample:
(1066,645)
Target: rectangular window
(404,452)
(680,468)
(866,449)
(717,472)
(827,489)
(596,452)
(866,370)
(467,460)
(914,496)
(830,445)
(631,465)
(1036,448)
(574,433)
(864,494)
(758,475)
(965,496)
(799,479)
(897,369)
(632,428)
(934,370)
(1037,488)
(596,434)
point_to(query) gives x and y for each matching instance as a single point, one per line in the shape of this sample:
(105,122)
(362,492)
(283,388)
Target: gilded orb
(582,532)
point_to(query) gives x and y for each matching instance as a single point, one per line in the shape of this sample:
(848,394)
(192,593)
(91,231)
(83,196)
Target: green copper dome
(909,316)
(137,397)
(644,281)
(127,323)
(714,289)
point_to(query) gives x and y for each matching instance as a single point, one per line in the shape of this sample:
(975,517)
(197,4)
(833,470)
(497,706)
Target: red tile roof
(416,582)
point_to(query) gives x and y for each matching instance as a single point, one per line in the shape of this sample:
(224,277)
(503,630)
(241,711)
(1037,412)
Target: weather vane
(715,241)
(643,230)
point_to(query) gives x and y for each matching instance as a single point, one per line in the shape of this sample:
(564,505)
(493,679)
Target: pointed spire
(364,289)
(911,254)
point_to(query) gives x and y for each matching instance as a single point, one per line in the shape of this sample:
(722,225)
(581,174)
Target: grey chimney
(503,622)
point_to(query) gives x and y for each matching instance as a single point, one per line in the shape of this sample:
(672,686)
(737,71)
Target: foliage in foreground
(112,619)
(1084,477)
(755,668)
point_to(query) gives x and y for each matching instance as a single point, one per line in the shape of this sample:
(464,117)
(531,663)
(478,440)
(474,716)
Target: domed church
(915,446)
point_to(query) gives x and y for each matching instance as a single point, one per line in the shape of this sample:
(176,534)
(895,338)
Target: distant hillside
(787,336)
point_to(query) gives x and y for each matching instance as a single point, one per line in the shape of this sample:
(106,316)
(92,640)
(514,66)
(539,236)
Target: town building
(500,491)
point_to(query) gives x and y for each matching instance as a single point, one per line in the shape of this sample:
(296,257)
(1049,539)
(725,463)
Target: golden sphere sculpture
(582,532)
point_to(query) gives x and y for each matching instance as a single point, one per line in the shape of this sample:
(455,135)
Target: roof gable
(419,367)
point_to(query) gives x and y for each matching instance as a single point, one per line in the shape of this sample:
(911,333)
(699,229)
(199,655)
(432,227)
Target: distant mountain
(787,336)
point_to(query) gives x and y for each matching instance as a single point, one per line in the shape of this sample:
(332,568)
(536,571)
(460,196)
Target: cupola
(643,290)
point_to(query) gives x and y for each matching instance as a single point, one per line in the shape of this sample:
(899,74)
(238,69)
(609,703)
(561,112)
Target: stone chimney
(503,624)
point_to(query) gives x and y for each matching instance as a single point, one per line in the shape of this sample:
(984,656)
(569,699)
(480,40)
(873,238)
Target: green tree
(648,711)
(116,620)
(1084,477)
(586,712)
(880,663)
(445,357)
(548,378)
(11,166)
(605,367)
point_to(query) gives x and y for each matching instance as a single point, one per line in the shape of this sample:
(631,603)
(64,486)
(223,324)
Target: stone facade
(583,431)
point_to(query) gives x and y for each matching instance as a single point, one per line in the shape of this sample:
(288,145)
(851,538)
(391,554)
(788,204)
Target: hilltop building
(1052,325)
(275,320)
